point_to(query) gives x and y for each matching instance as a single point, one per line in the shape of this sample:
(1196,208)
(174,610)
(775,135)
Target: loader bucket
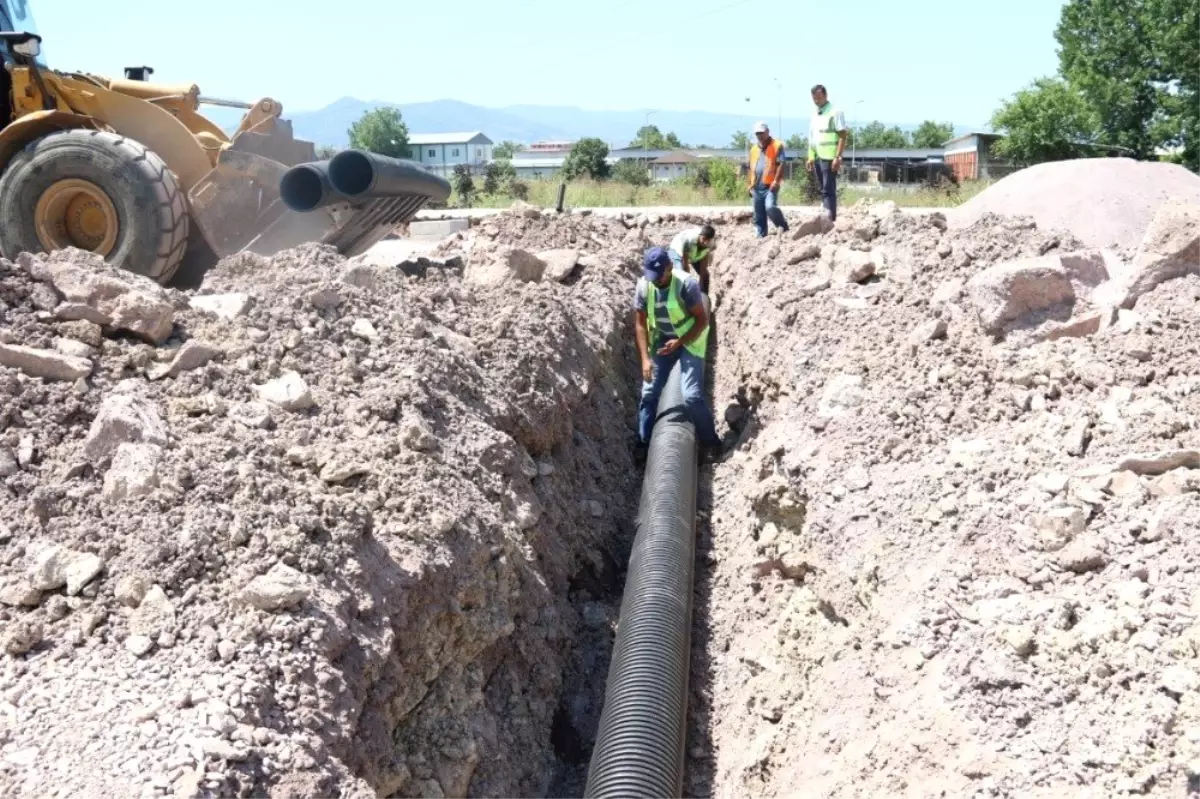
(350,201)
(239,198)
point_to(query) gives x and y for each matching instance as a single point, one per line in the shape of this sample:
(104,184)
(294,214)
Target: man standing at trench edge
(670,324)
(827,134)
(766,172)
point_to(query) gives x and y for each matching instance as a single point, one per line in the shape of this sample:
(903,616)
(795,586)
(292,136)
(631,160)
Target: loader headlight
(31,47)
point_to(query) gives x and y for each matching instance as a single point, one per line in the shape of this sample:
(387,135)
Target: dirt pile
(1105,202)
(950,556)
(323,528)
(328,527)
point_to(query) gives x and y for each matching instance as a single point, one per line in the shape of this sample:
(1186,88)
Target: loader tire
(97,191)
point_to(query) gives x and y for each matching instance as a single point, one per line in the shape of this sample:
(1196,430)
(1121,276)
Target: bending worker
(766,172)
(693,248)
(671,326)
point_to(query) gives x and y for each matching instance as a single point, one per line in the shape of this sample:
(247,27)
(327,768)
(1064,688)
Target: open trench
(460,498)
(855,517)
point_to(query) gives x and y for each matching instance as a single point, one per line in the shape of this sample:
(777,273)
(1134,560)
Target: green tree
(518,189)
(796,143)
(649,137)
(505,171)
(877,136)
(491,178)
(631,171)
(1049,121)
(382,131)
(723,177)
(740,141)
(930,134)
(587,159)
(1110,52)
(505,150)
(464,184)
(1179,49)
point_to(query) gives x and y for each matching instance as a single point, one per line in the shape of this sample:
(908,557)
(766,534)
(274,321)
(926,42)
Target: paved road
(459,213)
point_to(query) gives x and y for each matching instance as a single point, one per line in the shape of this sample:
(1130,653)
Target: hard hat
(760,127)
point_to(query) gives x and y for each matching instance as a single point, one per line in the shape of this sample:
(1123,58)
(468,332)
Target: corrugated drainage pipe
(639,749)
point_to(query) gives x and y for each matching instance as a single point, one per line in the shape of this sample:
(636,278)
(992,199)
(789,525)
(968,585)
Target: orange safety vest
(772,155)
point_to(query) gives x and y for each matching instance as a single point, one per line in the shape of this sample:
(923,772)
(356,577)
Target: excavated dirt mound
(326,529)
(942,564)
(1104,202)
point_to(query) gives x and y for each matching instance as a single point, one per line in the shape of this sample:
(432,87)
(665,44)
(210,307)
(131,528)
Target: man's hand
(750,191)
(671,346)
(647,370)
(809,165)
(775,188)
(837,164)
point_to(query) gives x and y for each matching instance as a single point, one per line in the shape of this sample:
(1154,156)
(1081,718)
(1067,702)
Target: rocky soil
(323,527)
(956,551)
(320,529)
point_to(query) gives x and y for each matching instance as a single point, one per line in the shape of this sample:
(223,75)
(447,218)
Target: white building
(441,152)
(673,165)
(536,166)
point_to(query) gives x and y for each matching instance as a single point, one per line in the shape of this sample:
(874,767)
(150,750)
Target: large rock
(812,226)
(559,264)
(507,265)
(123,418)
(1021,294)
(1169,250)
(288,391)
(279,588)
(134,471)
(192,355)
(226,306)
(853,266)
(56,567)
(120,300)
(44,363)
(842,393)
(155,614)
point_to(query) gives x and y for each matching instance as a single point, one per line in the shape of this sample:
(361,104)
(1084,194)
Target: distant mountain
(527,123)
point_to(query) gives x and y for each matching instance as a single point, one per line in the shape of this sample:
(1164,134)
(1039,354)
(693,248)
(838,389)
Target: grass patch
(612,194)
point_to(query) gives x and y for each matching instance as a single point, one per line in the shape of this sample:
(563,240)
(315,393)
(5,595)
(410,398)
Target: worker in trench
(671,326)
(691,252)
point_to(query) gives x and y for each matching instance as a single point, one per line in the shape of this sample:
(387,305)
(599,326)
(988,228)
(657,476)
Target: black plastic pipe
(639,749)
(306,187)
(363,175)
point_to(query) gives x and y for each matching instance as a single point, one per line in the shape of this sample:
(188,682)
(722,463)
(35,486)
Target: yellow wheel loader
(130,169)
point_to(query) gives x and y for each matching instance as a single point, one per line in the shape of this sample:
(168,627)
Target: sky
(899,61)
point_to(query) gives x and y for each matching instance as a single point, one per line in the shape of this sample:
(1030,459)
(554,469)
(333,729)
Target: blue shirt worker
(766,173)
(671,326)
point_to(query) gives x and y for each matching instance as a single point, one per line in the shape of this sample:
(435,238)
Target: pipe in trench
(639,750)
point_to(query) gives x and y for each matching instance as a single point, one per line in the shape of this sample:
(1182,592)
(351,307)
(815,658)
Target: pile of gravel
(1104,202)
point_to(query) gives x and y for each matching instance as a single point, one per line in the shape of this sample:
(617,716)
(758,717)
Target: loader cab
(15,17)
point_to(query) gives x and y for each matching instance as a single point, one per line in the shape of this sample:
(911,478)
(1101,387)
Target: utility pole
(854,139)
(779,99)
(645,146)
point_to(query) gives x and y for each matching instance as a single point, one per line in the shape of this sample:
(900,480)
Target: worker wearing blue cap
(671,325)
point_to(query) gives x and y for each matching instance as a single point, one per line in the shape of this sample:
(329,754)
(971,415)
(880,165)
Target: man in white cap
(766,173)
